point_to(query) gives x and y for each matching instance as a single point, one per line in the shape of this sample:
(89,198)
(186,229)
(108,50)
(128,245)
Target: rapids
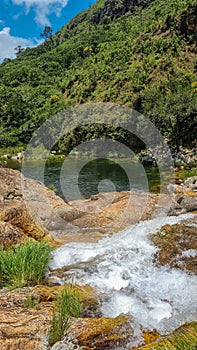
(122,268)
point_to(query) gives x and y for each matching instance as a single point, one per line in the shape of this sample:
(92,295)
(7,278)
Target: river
(76,178)
(122,268)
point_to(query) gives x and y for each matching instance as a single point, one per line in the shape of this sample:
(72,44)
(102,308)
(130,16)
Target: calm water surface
(76,178)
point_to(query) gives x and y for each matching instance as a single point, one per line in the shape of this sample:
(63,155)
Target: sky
(22,21)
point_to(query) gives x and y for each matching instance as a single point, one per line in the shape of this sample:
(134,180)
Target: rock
(65,344)
(191,183)
(114,9)
(21,327)
(10,235)
(83,237)
(25,203)
(87,296)
(177,245)
(150,337)
(21,218)
(185,158)
(147,159)
(102,333)
(188,202)
(184,197)
(112,212)
(185,337)
(37,211)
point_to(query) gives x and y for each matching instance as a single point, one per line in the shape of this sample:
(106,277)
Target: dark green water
(76,178)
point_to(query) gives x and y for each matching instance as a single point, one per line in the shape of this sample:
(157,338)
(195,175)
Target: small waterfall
(121,267)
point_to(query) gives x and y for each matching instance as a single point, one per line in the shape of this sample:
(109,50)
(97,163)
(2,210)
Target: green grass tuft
(24,265)
(67,305)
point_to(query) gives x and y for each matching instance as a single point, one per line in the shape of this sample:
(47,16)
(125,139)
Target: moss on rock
(177,244)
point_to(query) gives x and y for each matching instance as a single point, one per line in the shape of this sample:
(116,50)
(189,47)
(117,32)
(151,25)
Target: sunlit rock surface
(177,245)
(185,337)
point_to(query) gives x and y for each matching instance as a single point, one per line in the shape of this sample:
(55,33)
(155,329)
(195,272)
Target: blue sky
(22,21)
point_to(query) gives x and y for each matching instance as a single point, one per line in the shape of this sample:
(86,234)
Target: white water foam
(122,268)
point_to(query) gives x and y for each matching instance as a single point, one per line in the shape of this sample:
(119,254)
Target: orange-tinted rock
(30,206)
(87,295)
(20,217)
(150,337)
(185,337)
(102,333)
(111,213)
(177,244)
(21,327)
(10,235)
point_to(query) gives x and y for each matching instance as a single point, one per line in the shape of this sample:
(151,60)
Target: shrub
(67,305)
(24,265)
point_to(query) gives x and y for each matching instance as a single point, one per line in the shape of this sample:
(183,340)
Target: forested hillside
(140,53)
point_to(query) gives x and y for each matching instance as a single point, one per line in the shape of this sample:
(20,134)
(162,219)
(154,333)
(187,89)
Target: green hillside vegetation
(139,56)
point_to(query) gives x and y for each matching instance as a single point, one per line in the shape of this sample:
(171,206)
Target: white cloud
(43,8)
(9,42)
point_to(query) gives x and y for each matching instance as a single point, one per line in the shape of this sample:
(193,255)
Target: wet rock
(147,159)
(83,237)
(185,337)
(150,337)
(177,245)
(102,333)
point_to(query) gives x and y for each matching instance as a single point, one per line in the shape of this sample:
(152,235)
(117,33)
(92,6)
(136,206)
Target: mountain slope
(141,53)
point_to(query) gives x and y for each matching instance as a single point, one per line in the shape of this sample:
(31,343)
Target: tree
(18,50)
(47,32)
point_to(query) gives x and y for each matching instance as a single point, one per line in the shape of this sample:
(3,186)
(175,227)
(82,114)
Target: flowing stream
(121,267)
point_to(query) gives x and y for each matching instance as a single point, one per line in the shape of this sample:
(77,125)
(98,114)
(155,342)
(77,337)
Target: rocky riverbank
(28,210)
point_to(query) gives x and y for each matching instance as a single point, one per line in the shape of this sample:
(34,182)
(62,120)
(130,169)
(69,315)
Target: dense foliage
(141,56)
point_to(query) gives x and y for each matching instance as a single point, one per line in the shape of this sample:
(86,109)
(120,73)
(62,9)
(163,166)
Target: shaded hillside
(140,53)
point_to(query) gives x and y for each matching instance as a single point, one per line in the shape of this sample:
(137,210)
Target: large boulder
(36,210)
